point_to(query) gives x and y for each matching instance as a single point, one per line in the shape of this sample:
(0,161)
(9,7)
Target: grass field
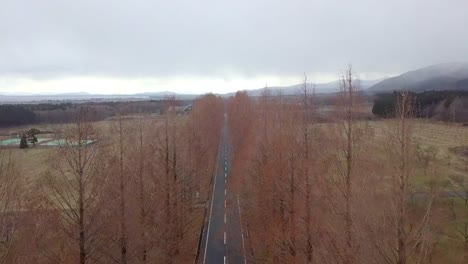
(446,142)
(31,162)
(440,139)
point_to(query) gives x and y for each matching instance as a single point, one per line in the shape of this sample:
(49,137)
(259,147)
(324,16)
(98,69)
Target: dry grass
(31,162)
(443,138)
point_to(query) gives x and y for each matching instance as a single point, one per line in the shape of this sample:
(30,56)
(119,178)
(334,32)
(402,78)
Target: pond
(60,142)
(40,141)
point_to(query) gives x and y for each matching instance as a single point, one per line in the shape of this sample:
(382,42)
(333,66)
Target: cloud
(52,39)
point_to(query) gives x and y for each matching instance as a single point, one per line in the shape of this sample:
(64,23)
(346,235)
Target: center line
(224,238)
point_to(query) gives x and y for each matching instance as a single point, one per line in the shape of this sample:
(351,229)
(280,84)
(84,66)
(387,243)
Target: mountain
(330,87)
(445,76)
(71,94)
(86,97)
(320,88)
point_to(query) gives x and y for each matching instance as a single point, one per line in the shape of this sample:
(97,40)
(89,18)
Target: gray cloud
(139,38)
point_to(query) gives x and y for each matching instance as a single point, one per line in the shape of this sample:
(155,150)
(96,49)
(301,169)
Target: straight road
(222,240)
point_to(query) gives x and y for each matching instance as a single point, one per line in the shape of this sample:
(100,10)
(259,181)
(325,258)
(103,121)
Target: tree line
(445,105)
(54,113)
(335,192)
(133,195)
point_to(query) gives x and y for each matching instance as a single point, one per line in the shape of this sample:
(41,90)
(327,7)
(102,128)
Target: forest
(441,105)
(64,112)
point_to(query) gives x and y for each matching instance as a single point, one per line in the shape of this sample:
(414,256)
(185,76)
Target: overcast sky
(197,46)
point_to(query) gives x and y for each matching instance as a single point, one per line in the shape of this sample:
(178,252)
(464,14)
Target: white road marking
(224,238)
(224,192)
(225,175)
(224,217)
(242,232)
(224,259)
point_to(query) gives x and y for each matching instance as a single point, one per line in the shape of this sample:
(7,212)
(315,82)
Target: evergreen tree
(23,142)
(31,135)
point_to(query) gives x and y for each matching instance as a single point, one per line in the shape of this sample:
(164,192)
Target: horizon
(77,93)
(115,86)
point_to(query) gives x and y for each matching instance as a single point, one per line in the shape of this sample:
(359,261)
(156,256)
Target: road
(222,240)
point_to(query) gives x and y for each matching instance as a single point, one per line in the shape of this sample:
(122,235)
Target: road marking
(224,217)
(225,238)
(242,232)
(225,175)
(224,192)
(224,259)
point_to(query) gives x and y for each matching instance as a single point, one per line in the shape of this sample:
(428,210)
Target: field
(444,142)
(443,145)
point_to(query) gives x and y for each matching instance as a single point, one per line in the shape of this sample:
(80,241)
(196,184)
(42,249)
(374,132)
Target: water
(40,141)
(10,141)
(60,142)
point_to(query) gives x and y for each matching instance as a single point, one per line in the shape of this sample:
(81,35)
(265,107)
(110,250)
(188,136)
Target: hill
(320,88)
(445,76)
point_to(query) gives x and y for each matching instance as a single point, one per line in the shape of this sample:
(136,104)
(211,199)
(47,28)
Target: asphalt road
(223,238)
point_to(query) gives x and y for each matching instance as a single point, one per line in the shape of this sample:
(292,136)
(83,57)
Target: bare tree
(122,192)
(459,186)
(141,186)
(308,164)
(401,149)
(9,201)
(74,185)
(169,155)
(348,143)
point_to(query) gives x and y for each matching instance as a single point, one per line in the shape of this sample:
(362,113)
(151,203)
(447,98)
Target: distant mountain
(330,87)
(84,97)
(71,94)
(320,88)
(446,76)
